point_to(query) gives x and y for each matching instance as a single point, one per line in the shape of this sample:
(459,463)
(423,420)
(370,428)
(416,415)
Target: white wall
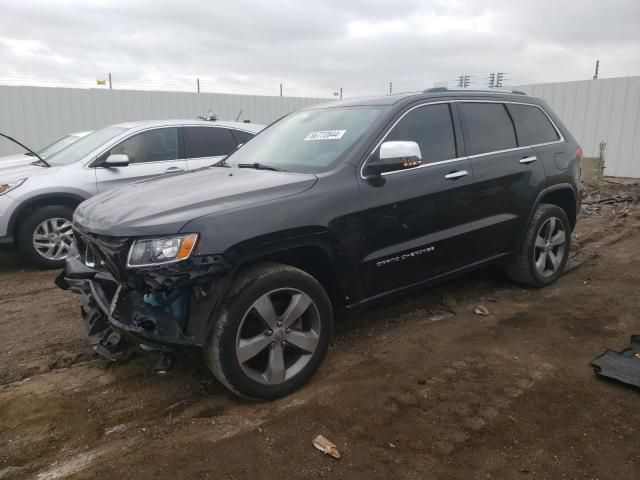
(596,110)
(37,116)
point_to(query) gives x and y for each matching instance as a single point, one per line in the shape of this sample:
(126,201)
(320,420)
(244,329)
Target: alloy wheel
(52,238)
(278,336)
(550,246)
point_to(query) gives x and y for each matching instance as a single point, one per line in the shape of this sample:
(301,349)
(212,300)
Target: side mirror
(393,156)
(116,160)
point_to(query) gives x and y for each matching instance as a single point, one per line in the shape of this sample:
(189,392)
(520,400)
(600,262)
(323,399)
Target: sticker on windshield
(325,135)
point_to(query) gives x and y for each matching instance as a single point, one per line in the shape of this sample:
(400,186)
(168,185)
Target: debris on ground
(623,366)
(618,198)
(592,204)
(326,447)
(481,310)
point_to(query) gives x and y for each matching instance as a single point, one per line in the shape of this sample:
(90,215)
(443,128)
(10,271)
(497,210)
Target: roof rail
(435,90)
(487,90)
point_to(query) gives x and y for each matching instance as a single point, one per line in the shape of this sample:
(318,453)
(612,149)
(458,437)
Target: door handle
(173,170)
(455,175)
(528,160)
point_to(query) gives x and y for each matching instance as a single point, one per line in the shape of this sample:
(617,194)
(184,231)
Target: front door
(416,222)
(151,153)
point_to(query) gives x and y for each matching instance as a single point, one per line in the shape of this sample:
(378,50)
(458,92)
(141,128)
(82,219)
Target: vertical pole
(595,75)
(110,88)
(280,89)
(340,93)
(198,83)
(390,87)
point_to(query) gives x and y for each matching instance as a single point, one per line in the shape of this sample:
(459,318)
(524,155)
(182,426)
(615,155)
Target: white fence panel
(37,116)
(600,110)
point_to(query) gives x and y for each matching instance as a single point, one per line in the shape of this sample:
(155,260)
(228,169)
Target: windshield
(56,146)
(310,141)
(78,150)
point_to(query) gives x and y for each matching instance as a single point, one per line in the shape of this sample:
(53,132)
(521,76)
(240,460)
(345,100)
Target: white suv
(37,200)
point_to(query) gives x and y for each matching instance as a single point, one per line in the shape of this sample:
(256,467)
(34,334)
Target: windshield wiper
(40,159)
(260,166)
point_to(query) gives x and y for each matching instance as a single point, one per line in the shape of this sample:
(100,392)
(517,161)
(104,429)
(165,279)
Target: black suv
(326,210)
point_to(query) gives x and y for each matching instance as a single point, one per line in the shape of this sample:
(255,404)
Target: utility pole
(463,81)
(110,88)
(390,88)
(340,93)
(492,80)
(280,89)
(595,75)
(198,83)
(499,78)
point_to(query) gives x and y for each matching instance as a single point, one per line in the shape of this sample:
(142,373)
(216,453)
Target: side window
(242,137)
(488,127)
(532,125)
(208,142)
(432,128)
(151,146)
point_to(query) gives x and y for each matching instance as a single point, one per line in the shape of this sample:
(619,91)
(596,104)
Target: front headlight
(7,187)
(160,251)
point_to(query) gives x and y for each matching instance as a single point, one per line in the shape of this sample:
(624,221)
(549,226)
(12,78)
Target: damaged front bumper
(161,308)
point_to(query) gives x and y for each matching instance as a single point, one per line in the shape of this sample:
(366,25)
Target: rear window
(487,128)
(532,125)
(208,142)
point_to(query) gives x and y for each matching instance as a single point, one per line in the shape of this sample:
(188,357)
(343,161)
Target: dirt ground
(417,388)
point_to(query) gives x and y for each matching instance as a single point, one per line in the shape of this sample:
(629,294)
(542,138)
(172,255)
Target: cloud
(313,48)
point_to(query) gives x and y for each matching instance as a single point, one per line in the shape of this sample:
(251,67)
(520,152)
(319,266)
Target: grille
(103,253)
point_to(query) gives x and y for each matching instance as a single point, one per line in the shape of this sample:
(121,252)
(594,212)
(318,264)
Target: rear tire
(27,230)
(543,253)
(272,332)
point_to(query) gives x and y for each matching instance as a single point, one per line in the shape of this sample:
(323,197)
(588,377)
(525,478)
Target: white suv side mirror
(117,160)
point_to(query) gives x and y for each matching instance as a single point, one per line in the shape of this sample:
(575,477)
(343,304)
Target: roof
(248,127)
(81,134)
(439,92)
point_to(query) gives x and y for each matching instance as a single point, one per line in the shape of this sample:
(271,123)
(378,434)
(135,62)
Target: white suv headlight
(7,187)
(160,251)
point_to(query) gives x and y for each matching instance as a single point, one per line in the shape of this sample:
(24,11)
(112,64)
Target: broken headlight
(160,251)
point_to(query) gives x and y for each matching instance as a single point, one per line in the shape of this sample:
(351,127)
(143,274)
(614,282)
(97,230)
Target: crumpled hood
(163,205)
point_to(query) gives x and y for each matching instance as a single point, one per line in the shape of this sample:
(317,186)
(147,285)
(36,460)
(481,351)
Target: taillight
(579,153)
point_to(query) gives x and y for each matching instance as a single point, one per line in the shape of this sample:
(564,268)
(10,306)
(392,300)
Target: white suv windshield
(308,141)
(56,146)
(78,150)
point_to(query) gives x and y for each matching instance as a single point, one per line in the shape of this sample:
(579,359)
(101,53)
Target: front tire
(272,333)
(45,235)
(543,254)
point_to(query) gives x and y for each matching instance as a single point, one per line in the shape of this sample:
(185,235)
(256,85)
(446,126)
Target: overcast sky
(314,48)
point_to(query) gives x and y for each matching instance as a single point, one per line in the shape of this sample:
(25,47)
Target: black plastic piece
(622,366)
(435,90)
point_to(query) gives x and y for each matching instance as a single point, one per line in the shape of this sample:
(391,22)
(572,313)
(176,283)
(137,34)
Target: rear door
(416,221)
(151,152)
(536,130)
(205,145)
(507,176)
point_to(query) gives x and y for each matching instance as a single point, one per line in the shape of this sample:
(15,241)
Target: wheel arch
(314,256)
(564,196)
(70,200)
